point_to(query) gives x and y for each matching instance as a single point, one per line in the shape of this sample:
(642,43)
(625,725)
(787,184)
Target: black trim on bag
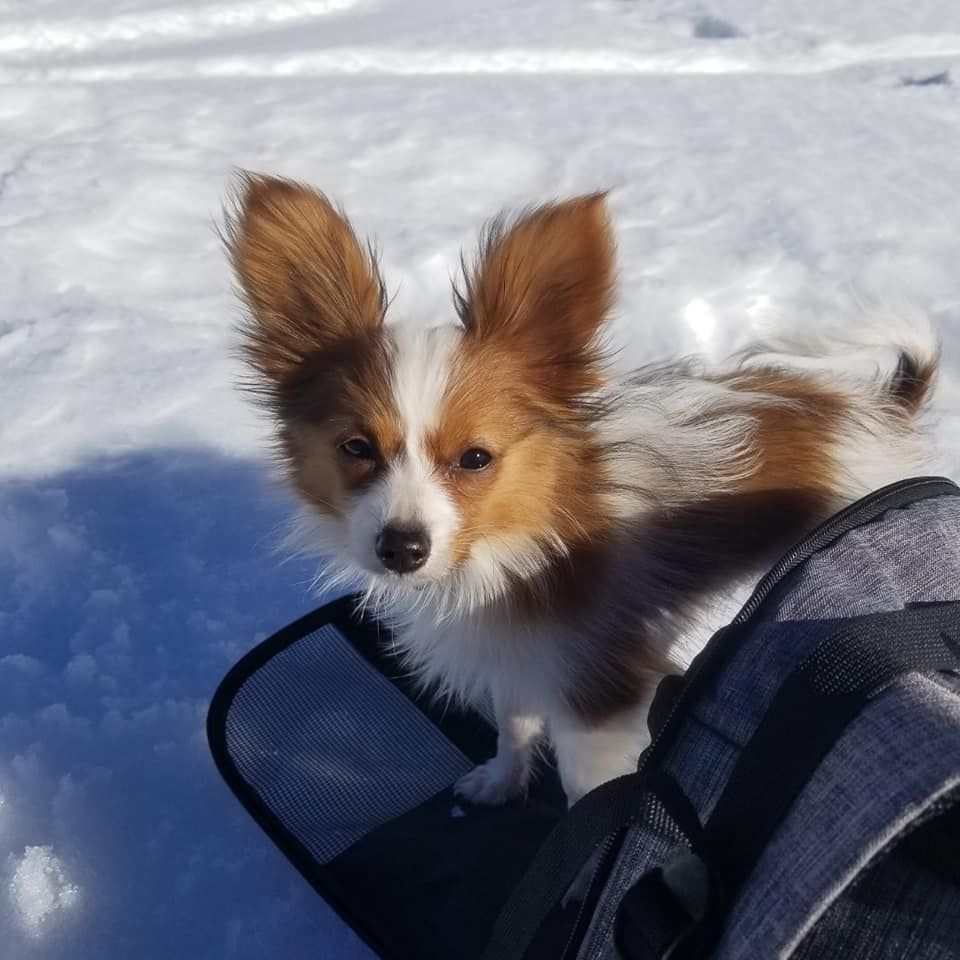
(262,814)
(466,729)
(469,732)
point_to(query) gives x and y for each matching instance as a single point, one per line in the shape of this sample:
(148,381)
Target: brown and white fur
(617,519)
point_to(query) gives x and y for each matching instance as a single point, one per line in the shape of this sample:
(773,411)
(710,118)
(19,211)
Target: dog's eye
(474,459)
(359,448)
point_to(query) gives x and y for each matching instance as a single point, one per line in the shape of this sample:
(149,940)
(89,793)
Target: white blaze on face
(410,493)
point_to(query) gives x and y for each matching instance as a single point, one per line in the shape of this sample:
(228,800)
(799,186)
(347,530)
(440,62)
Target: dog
(547,538)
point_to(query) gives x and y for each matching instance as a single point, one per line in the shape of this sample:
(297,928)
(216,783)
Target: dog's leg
(507,774)
(590,756)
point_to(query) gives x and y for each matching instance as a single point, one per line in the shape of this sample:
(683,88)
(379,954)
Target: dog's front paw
(492,783)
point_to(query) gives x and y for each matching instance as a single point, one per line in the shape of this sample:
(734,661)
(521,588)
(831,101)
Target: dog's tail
(911,383)
(905,337)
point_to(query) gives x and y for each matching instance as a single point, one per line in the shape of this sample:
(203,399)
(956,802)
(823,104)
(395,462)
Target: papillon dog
(548,538)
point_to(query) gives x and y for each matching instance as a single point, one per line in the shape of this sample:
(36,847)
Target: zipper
(576,934)
(830,530)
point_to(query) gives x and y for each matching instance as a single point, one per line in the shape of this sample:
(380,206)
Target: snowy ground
(766,156)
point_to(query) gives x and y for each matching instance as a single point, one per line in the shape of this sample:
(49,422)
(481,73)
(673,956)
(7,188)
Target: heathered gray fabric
(851,805)
(904,749)
(326,742)
(900,908)
(906,556)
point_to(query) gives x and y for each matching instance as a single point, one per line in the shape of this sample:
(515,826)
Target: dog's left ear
(546,283)
(308,281)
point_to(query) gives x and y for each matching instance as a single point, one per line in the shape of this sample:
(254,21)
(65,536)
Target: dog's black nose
(403,549)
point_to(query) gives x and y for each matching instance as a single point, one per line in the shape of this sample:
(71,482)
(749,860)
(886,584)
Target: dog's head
(431,457)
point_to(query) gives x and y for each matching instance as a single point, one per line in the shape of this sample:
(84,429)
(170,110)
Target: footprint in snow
(714,28)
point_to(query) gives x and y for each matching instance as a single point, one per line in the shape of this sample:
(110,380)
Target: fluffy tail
(906,338)
(911,383)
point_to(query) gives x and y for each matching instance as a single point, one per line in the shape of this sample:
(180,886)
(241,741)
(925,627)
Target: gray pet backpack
(800,798)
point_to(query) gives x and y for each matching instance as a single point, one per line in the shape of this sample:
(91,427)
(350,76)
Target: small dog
(545,536)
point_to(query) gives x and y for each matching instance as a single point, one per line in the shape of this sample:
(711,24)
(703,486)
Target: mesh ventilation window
(332,747)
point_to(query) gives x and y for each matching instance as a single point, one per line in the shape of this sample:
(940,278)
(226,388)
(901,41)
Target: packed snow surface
(781,162)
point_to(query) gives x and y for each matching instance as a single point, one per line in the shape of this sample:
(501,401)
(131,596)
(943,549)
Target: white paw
(492,783)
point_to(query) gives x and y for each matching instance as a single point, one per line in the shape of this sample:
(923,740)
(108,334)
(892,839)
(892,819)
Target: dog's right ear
(544,284)
(308,281)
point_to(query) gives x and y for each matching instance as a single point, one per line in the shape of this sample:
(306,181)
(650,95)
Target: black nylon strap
(658,909)
(600,814)
(650,920)
(809,713)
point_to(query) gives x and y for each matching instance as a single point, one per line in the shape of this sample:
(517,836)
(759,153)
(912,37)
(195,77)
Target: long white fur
(410,493)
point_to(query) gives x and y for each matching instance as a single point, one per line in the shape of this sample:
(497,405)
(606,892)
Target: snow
(39,890)
(771,162)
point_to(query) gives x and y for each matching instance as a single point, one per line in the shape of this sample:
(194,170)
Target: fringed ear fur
(307,280)
(545,283)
